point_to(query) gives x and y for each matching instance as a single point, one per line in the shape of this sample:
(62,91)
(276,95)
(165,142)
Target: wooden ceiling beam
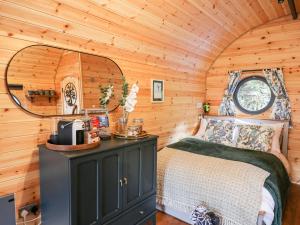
(293,9)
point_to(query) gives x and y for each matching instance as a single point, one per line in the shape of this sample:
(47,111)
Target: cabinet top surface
(107,145)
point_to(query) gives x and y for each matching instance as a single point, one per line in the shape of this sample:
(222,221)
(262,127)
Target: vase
(122,122)
(122,126)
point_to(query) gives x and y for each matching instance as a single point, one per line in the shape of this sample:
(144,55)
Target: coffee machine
(71,132)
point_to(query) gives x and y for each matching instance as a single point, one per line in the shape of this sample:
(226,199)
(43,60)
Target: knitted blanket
(232,188)
(277,183)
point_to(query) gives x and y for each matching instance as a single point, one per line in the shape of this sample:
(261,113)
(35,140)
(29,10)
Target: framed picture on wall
(157,90)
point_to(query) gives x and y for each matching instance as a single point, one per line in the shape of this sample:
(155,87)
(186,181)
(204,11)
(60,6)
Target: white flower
(135,88)
(131,98)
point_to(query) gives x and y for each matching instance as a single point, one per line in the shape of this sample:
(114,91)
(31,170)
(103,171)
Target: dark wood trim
(15,86)
(254,70)
(293,9)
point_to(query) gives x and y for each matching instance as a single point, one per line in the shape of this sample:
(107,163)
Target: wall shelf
(31,98)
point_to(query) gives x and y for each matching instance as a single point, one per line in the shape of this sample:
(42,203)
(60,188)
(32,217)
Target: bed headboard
(285,131)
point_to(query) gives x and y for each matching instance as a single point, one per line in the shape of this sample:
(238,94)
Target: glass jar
(54,122)
(54,130)
(133,130)
(138,123)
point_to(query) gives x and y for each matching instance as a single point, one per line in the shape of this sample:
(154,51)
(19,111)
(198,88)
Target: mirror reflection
(51,81)
(253,95)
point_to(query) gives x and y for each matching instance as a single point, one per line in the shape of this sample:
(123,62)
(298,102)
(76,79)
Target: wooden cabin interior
(160,72)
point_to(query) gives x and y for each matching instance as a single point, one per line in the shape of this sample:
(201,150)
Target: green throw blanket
(277,183)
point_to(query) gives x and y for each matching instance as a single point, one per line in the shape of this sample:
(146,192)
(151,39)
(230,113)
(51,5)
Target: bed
(226,177)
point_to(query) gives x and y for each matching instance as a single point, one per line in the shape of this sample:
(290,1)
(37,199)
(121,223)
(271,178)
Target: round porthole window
(253,95)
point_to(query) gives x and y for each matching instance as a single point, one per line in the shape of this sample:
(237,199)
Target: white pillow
(276,126)
(201,131)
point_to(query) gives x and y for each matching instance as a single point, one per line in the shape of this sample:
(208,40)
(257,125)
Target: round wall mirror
(50,81)
(253,95)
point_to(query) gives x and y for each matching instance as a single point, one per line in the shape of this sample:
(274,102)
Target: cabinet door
(110,185)
(84,191)
(139,172)
(132,174)
(148,169)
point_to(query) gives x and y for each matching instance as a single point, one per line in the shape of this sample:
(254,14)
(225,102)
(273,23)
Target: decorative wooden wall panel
(69,65)
(275,44)
(173,40)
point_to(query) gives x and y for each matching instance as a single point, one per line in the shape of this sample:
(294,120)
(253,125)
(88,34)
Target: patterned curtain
(282,107)
(227,107)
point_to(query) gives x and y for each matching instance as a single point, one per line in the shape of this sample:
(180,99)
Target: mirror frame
(49,116)
(241,108)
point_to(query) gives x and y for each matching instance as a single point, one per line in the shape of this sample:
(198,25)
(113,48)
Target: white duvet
(268,203)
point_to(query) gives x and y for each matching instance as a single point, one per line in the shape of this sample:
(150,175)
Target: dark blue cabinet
(111,188)
(112,184)
(132,178)
(84,191)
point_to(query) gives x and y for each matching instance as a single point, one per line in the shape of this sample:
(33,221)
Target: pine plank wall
(139,59)
(275,44)
(156,43)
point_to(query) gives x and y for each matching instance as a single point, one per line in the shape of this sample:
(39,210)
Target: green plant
(206,107)
(124,92)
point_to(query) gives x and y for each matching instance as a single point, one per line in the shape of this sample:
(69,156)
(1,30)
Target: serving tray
(123,136)
(67,148)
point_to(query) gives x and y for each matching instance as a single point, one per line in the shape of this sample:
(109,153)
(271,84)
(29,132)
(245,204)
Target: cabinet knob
(121,182)
(125,180)
(141,212)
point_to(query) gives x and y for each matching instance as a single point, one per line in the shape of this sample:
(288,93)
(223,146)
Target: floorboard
(291,214)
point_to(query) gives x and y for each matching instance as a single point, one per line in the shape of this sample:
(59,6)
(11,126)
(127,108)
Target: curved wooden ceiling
(189,34)
(200,28)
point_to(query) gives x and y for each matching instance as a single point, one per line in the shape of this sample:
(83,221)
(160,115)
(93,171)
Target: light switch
(199,105)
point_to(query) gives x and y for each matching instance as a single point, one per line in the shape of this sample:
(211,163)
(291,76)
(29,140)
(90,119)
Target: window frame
(243,81)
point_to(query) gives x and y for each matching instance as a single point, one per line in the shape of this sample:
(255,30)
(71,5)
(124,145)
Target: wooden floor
(291,214)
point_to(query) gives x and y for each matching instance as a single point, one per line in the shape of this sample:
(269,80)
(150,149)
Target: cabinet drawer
(136,214)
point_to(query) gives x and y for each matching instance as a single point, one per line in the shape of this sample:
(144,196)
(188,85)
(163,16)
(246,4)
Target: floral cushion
(219,131)
(255,137)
